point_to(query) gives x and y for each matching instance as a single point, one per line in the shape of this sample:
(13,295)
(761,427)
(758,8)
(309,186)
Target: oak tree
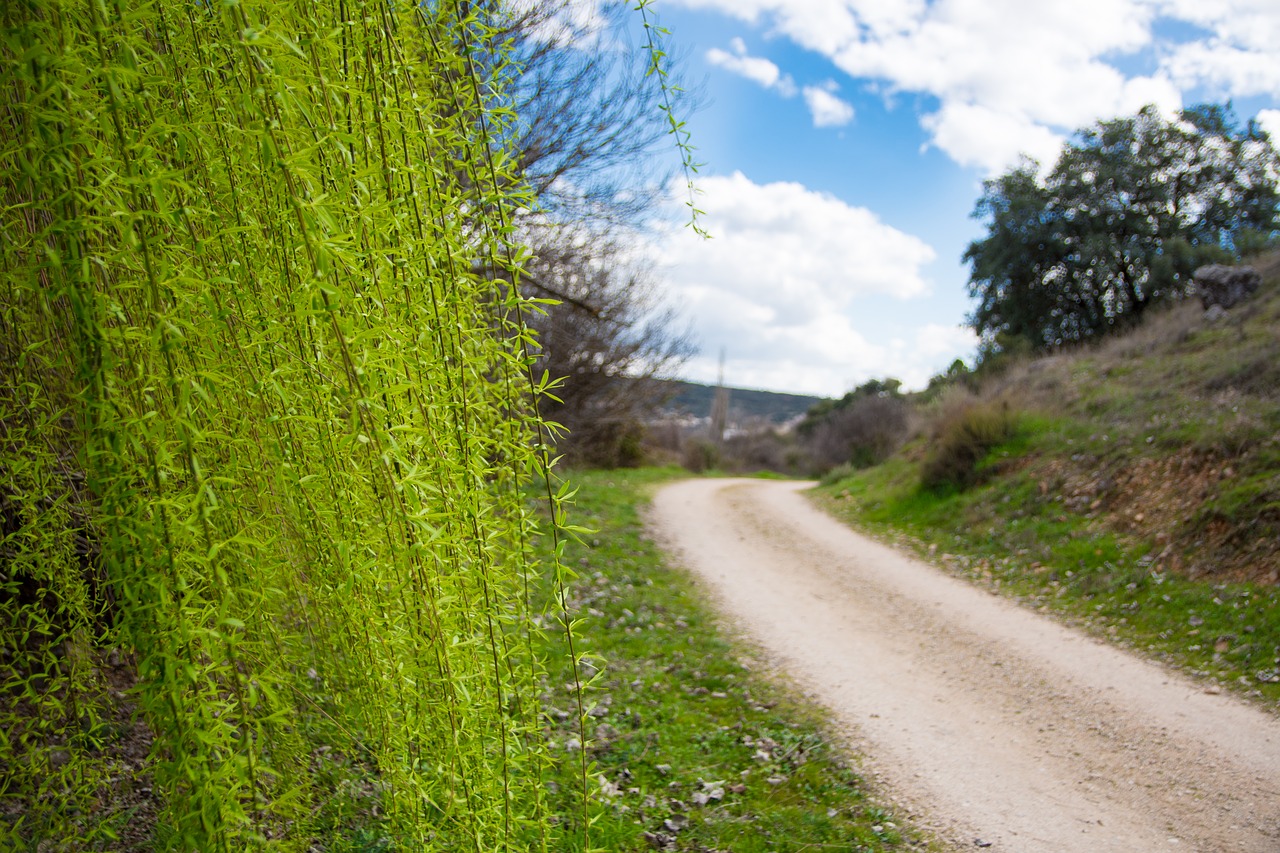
(1131,208)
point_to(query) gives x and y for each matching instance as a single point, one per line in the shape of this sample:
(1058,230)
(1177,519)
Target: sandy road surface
(992,722)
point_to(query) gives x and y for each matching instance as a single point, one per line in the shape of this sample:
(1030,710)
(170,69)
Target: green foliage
(263,434)
(998,353)
(1129,211)
(963,435)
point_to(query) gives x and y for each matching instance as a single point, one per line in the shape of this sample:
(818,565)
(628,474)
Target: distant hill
(690,398)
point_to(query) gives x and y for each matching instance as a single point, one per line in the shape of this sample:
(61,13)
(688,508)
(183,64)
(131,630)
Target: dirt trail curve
(995,724)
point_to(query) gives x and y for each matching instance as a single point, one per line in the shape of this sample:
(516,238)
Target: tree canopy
(268,433)
(586,125)
(609,341)
(1121,222)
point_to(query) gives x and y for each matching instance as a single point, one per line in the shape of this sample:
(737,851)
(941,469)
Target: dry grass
(964,432)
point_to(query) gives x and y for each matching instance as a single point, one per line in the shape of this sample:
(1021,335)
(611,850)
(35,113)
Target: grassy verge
(692,748)
(1012,534)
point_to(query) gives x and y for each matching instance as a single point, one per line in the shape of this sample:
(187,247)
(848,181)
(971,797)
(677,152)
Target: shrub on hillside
(862,434)
(608,444)
(700,455)
(764,449)
(963,435)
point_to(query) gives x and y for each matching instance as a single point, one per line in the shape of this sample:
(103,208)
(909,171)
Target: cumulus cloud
(784,237)
(1226,68)
(1252,24)
(1270,121)
(934,340)
(1239,52)
(1036,70)
(991,140)
(781,282)
(754,68)
(928,352)
(827,109)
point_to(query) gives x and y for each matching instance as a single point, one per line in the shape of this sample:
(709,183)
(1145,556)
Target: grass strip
(1010,536)
(693,745)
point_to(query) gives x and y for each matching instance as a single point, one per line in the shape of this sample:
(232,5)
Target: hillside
(1169,435)
(745,405)
(1133,483)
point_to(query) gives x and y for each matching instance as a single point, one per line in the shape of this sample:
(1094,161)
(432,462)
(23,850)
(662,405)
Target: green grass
(693,746)
(1012,535)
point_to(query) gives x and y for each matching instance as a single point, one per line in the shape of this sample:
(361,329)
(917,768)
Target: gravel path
(999,728)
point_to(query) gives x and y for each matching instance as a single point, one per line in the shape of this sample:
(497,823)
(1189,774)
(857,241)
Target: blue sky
(844,143)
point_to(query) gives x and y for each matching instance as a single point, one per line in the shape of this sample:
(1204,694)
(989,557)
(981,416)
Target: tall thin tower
(719,405)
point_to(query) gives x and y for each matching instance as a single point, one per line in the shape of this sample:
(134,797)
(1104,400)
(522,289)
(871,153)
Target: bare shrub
(608,443)
(609,338)
(862,434)
(663,443)
(760,450)
(700,455)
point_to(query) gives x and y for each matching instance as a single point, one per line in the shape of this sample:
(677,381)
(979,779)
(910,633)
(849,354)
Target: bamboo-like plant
(264,436)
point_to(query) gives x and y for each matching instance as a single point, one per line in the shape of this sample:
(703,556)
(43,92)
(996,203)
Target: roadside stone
(675,823)
(1225,286)
(660,840)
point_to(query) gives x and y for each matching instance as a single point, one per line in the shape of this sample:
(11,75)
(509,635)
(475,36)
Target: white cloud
(1252,24)
(754,68)
(929,352)
(783,280)
(784,235)
(1270,121)
(1227,68)
(934,340)
(1239,54)
(827,109)
(1140,91)
(1030,71)
(974,135)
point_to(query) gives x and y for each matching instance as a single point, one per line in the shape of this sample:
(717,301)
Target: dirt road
(999,727)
